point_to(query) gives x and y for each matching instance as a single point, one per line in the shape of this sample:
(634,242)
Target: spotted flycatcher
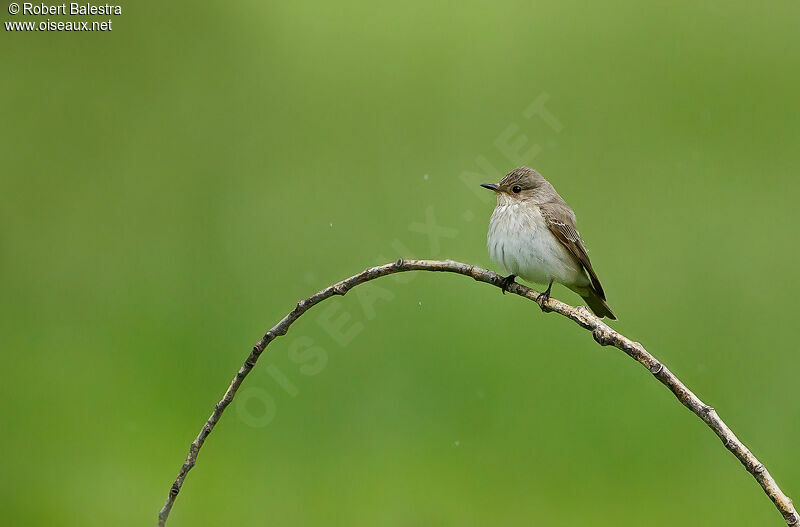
(532,235)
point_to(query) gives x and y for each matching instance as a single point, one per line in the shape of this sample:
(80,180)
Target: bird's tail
(596,302)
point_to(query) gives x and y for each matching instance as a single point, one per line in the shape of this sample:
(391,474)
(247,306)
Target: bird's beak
(490,186)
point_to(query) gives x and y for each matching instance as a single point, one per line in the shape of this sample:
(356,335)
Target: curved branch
(601,332)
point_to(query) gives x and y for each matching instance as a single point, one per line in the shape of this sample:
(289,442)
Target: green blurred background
(170,189)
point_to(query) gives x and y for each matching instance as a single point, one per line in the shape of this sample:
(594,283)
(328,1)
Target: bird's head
(522,184)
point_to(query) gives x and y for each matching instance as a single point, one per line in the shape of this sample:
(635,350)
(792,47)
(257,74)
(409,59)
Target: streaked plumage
(532,235)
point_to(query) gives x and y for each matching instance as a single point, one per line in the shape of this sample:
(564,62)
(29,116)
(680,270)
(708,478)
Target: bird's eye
(516,189)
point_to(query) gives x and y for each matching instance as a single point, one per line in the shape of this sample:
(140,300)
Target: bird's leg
(507,281)
(541,298)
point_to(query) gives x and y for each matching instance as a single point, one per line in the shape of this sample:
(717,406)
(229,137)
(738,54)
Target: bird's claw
(543,297)
(506,283)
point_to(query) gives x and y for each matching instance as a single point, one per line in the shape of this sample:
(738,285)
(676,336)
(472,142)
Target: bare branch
(601,332)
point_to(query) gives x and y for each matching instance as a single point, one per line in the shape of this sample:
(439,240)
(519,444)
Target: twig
(602,333)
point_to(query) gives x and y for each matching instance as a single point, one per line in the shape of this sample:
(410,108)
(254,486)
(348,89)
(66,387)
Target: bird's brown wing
(561,221)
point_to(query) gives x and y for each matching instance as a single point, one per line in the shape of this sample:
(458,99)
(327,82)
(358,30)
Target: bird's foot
(542,298)
(507,281)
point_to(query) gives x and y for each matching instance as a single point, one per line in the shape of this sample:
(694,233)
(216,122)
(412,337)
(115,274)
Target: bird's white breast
(520,242)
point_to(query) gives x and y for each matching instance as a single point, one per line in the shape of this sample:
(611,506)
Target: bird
(532,235)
